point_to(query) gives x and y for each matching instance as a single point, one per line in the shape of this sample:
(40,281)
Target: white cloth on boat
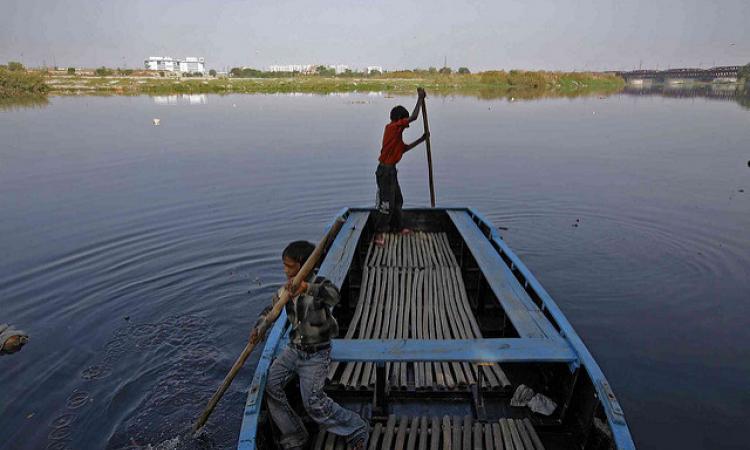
(541,404)
(7,331)
(522,396)
(538,403)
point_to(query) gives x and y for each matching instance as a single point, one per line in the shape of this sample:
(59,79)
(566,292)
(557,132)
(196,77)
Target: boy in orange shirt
(389,199)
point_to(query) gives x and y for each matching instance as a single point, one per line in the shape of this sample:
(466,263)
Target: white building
(190,64)
(301,68)
(339,68)
(371,69)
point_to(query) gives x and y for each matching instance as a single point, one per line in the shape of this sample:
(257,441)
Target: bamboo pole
(429,151)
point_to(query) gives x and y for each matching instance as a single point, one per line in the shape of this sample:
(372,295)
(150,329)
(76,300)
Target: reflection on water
(729,92)
(181,99)
(10,104)
(725,92)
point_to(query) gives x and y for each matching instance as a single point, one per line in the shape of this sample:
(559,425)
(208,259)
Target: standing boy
(308,355)
(389,199)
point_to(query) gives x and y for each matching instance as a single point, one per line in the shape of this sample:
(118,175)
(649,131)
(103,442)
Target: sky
(480,35)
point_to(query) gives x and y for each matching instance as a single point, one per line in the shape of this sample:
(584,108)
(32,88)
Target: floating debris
(156,122)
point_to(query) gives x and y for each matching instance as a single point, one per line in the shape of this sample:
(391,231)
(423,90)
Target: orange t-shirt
(393,142)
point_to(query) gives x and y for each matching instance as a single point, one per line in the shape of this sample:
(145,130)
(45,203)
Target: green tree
(15,66)
(445,70)
(463,70)
(212,72)
(432,70)
(71,70)
(325,71)
(745,72)
(103,72)
(19,83)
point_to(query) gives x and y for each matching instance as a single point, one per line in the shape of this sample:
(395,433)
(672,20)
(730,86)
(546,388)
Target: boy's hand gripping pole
(268,321)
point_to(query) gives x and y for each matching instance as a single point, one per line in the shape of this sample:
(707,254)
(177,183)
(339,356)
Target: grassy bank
(16,82)
(487,84)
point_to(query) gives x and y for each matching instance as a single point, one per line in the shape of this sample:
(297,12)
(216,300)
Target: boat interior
(446,289)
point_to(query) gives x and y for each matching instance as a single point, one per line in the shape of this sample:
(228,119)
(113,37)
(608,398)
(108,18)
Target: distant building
(190,64)
(371,69)
(339,68)
(301,68)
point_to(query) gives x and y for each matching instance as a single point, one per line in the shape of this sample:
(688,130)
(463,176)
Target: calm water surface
(137,257)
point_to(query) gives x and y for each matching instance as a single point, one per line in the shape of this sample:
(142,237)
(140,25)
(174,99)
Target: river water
(138,256)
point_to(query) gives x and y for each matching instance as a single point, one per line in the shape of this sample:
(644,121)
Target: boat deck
(412,288)
(447,433)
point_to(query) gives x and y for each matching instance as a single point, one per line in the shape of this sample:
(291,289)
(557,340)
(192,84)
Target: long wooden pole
(429,152)
(268,321)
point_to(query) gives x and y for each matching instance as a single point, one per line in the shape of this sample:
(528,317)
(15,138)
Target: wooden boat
(437,331)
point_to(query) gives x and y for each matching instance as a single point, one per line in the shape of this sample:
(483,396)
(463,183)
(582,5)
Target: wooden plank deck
(446,433)
(412,289)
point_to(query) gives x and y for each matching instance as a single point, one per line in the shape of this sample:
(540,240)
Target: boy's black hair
(399,112)
(298,251)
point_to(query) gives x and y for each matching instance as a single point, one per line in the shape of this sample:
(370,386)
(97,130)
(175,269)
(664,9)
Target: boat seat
(520,309)
(448,433)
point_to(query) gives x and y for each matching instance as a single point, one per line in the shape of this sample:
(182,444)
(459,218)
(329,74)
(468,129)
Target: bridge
(714,73)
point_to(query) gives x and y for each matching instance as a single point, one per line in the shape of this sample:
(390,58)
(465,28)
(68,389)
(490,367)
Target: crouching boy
(308,356)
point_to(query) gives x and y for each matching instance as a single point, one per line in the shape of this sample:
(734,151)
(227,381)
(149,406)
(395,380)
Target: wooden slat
(477,438)
(466,433)
(517,443)
(319,440)
(330,441)
(525,438)
(445,328)
(340,443)
(389,431)
(423,433)
(489,442)
(532,433)
(497,437)
(413,433)
(401,434)
(456,433)
(507,440)
(375,436)
(435,433)
(447,433)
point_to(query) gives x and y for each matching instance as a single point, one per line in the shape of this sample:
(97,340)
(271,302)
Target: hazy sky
(528,34)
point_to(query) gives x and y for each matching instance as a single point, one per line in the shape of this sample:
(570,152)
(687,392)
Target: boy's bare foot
(379,240)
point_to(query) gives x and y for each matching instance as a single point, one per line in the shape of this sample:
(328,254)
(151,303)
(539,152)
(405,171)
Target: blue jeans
(312,369)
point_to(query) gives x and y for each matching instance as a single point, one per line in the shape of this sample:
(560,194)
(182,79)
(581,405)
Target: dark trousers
(389,200)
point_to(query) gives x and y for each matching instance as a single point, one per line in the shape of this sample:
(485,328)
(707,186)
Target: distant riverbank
(520,84)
